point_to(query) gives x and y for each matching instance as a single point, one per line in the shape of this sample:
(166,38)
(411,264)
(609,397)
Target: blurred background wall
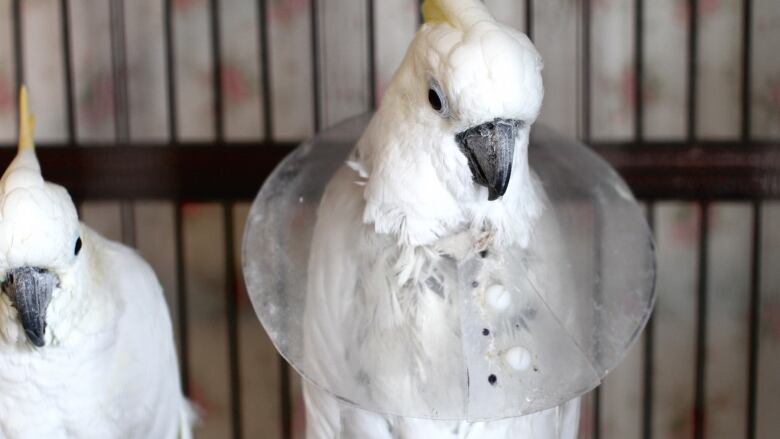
(344,90)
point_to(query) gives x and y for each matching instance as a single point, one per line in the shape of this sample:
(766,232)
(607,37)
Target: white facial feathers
(419,184)
(489,71)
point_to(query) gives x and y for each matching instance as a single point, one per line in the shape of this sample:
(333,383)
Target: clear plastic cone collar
(543,325)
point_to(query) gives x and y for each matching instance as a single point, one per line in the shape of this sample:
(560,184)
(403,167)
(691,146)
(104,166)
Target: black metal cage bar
(649,352)
(67,61)
(753,326)
(701,323)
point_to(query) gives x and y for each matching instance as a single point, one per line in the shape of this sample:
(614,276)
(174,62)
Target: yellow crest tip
(26,122)
(432,12)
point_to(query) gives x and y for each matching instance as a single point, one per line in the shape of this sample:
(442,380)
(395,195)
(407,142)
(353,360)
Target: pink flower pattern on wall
(706,7)
(182,5)
(771,323)
(6,96)
(286,10)
(236,84)
(97,100)
(769,102)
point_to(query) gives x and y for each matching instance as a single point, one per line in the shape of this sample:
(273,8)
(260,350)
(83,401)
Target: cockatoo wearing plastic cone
(86,342)
(440,175)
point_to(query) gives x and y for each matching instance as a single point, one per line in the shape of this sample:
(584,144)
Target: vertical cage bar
(67,61)
(119,71)
(649,356)
(127,222)
(264,36)
(586,70)
(755,315)
(216,60)
(232,314)
(181,296)
(181,278)
(701,324)
(315,64)
(586,137)
(371,54)
(693,50)
(121,106)
(227,216)
(170,73)
(647,373)
(639,69)
(285,390)
(529,18)
(747,44)
(16,23)
(285,399)
(598,258)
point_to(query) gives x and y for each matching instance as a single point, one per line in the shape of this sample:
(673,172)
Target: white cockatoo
(440,176)
(86,342)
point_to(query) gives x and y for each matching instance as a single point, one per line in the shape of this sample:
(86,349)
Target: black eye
(435,99)
(78,246)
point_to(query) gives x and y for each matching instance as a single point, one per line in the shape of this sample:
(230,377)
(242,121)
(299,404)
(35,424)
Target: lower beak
(489,149)
(30,290)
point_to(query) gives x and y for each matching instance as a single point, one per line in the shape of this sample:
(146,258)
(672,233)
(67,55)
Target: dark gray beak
(30,290)
(489,149)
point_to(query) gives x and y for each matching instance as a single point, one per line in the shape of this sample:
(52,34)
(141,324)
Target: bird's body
(368,326)
(110,370)
(86,342)
(421,236)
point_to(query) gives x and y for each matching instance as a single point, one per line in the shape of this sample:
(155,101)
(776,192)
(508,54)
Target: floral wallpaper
(344,91)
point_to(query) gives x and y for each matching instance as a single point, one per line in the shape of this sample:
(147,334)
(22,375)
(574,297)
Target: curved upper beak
(30,290)
(489,148)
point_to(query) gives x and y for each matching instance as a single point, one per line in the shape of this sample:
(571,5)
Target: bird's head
(39,238)
(450,139)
